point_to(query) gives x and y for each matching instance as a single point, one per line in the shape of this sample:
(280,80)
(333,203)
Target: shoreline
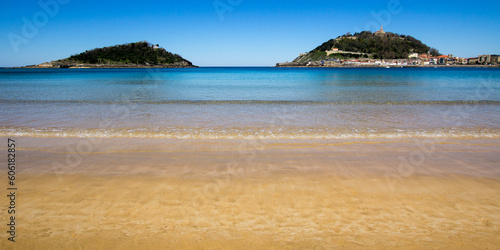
(355,157)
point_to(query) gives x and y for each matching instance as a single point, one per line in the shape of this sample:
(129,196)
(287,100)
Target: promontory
(132,55)
(382,49)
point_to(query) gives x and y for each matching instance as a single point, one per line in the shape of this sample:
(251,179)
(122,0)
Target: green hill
(378,45)
(139,54)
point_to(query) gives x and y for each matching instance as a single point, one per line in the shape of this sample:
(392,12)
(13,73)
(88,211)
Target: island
(132,55)
(383,49)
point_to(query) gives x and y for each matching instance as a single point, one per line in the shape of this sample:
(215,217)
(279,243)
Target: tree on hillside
(434,52)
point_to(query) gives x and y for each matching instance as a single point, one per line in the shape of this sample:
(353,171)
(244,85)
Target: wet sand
(268,194)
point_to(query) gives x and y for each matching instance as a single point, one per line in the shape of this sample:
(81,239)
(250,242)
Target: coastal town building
(332,51)
(484,59)
(443,59)
(488,59)
(413,56)
(495,59)
(472,60)
(461,60)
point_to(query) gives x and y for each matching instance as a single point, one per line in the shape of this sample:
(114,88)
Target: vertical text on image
(11,188)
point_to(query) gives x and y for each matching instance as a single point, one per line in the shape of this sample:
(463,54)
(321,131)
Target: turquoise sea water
(250,103)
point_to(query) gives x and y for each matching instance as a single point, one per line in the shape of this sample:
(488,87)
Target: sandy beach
(257,194)
(170,125)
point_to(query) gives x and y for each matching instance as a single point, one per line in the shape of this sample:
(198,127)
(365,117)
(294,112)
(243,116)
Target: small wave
(251,133)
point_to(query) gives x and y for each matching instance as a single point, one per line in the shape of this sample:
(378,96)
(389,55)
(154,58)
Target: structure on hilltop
(381,31)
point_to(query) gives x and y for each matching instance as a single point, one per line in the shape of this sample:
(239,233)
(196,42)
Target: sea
(251,103)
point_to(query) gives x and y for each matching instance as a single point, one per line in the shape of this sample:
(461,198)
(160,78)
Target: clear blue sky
(237,32)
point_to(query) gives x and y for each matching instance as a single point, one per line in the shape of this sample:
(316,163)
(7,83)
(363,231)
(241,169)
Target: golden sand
(257,195)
